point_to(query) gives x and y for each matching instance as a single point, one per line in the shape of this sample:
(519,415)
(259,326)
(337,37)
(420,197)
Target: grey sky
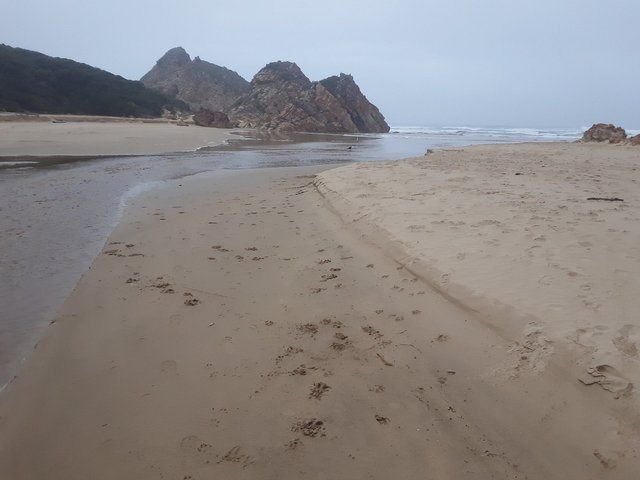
(461,62)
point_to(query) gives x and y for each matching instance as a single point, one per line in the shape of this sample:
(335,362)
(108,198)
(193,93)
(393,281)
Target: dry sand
(258,325)
(97,136)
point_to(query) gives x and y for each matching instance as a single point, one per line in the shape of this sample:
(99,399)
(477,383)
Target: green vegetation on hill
(34,82)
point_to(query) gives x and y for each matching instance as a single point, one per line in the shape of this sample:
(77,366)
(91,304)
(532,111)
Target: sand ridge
(236,327)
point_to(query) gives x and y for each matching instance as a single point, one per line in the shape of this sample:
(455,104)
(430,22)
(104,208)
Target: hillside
(34,82)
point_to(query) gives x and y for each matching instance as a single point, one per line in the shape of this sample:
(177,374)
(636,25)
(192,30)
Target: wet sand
(241,325)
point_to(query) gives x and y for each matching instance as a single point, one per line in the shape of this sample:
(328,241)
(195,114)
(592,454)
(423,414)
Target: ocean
(57,213)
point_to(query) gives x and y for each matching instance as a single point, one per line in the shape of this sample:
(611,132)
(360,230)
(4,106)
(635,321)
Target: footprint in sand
(532,352)
(194,449)
(608,378)
(628,340)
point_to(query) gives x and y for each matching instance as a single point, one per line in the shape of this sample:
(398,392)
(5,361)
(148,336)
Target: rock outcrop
(282,98)
(365,115)
(602,132)
(206,118)
(635,140)
(198,83)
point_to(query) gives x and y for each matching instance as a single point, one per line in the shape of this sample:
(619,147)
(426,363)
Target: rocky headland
(283,98)
(280,97)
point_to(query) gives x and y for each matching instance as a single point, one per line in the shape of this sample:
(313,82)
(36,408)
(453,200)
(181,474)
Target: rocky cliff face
(198,83)
(283,98)
(363,113)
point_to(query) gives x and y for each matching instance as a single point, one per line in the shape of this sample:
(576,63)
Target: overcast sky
(535,63)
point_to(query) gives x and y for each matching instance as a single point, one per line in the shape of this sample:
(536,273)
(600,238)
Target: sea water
(56,214)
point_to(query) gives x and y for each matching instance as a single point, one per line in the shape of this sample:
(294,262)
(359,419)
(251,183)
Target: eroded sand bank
(243,325)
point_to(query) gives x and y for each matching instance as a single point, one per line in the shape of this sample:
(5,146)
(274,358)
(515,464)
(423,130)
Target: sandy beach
(70,135)
(469,314)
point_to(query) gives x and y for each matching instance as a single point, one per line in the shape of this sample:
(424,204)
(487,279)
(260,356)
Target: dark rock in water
(602,132)
(207,118)
(635,140)
(198,83)
(283,98)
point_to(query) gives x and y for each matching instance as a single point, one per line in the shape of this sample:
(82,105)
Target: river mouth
(57,212)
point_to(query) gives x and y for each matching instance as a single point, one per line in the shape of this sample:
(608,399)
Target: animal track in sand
(293,444)
(236,456)
(328,277)
(372,332)
(192,301)
(289,351)
(309,428)
(301,369)
(318,390)
(381,420)
(607,463)
(193,447)
(308,328)
(332,322)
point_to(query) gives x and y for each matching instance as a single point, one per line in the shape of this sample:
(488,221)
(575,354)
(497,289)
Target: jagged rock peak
(283,98)
(198,83)
(175,57)
(280,71)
